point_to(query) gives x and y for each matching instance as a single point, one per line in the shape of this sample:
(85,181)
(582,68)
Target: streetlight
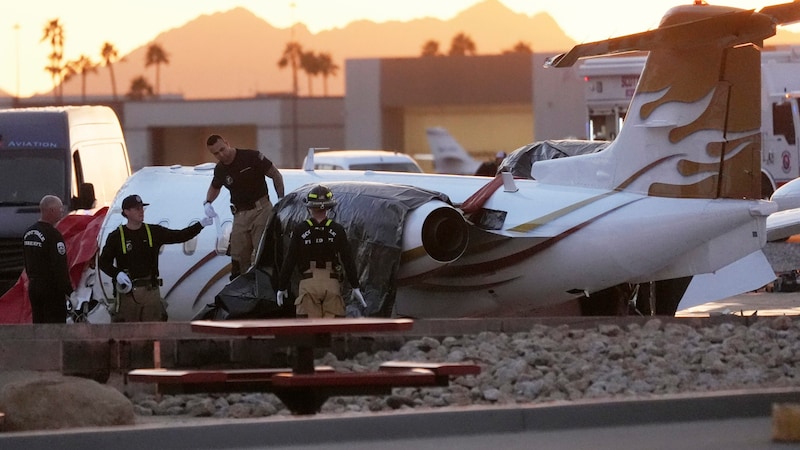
(16,30)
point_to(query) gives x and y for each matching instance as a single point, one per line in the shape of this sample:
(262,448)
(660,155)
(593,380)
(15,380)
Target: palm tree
(54,33)
(81,66)
(109,54)
(140,89)
(156,56)
(431,48)
(291,56)
(310,65)
(327,68)
(520,47)
(462,45)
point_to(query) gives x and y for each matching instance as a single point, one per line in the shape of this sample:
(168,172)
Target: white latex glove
(124,284)
(210,210)
(206,221)
(360,297)
(281,296)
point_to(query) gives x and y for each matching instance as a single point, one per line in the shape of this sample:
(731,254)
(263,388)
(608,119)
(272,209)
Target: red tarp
(80,236)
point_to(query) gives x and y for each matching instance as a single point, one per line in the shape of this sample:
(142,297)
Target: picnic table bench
(304,388)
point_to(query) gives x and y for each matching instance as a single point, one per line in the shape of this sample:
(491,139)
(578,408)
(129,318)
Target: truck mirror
(86,198)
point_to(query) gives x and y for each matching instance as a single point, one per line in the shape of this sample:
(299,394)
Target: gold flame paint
(733,78)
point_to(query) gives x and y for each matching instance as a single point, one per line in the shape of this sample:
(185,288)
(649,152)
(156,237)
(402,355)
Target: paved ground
(728,420)
(759,303)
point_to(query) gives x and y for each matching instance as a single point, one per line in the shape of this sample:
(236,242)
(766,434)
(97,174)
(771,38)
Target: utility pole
(16,32)
(295,144)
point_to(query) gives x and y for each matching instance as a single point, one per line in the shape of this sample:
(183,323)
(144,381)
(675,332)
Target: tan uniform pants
(248,226)
(319,296)
(143,304)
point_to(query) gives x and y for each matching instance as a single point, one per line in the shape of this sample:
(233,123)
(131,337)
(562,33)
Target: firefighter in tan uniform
(316,246)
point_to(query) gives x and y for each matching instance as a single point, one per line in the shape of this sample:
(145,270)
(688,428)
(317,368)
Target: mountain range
(234,54)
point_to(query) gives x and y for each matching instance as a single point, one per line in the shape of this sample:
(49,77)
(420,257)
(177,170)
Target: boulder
(53,401)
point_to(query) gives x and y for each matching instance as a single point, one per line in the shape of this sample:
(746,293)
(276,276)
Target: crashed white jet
(674,197)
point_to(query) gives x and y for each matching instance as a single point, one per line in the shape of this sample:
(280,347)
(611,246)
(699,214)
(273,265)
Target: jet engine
(434,235)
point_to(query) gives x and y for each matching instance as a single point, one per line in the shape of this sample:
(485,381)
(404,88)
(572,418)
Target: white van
(378,160)
(75,152)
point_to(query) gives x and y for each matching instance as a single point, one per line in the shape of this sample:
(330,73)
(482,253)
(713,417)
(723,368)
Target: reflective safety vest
(122,237)
(308,221)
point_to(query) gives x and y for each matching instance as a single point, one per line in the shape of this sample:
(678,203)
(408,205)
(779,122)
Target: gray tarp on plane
(521,160)
(373,215)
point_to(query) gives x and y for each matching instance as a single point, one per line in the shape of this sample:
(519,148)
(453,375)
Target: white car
(379,160)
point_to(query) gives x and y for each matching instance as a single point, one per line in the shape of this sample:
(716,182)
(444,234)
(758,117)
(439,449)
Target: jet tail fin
(693,126)
(448,155)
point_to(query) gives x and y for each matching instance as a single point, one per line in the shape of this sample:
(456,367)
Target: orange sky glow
(128,25)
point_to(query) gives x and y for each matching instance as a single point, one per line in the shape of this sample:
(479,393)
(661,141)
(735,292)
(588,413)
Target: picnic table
(304,387)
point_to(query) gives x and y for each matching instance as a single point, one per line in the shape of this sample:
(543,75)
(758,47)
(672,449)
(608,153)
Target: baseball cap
(133,201)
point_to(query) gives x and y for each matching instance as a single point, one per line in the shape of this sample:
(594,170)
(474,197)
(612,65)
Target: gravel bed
(551,363)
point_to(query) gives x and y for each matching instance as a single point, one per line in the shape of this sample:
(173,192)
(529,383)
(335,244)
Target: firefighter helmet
(320,197)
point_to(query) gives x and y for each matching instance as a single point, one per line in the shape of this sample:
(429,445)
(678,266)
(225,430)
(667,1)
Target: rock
(55,402)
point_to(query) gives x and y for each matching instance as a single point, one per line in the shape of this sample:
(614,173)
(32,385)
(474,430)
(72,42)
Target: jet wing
(782,224)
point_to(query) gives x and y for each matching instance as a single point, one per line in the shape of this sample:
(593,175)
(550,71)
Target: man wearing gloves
(135,246)
(316,245)
(243,172)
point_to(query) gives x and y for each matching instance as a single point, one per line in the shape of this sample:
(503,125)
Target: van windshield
(27,175)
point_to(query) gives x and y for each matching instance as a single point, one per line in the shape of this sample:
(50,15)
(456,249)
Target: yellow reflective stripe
(122,237)
(328,223)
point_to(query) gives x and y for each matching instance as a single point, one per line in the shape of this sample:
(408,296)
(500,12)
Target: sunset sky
(130,24)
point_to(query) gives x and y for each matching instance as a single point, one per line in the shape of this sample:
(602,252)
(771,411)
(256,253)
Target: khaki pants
(248,226)
(320,296)
(143,304)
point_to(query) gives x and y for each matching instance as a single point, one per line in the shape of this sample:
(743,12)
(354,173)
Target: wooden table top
(257,327)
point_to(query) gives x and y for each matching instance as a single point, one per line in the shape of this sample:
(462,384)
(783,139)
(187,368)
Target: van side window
(782,123)
(105,166)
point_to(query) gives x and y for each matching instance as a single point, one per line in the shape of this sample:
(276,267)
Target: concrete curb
(285,431)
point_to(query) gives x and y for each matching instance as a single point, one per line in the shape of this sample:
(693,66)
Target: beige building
(488,103)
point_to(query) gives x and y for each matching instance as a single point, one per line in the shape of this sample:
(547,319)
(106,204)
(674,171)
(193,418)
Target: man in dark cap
(135,246)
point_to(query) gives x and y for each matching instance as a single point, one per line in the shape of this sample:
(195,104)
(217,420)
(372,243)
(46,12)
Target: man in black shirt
(45,256)
(316,245)
(242,172)
(135,246)
(489,168)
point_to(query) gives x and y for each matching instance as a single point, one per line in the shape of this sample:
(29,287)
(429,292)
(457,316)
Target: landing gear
(657,298)
(660,298)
